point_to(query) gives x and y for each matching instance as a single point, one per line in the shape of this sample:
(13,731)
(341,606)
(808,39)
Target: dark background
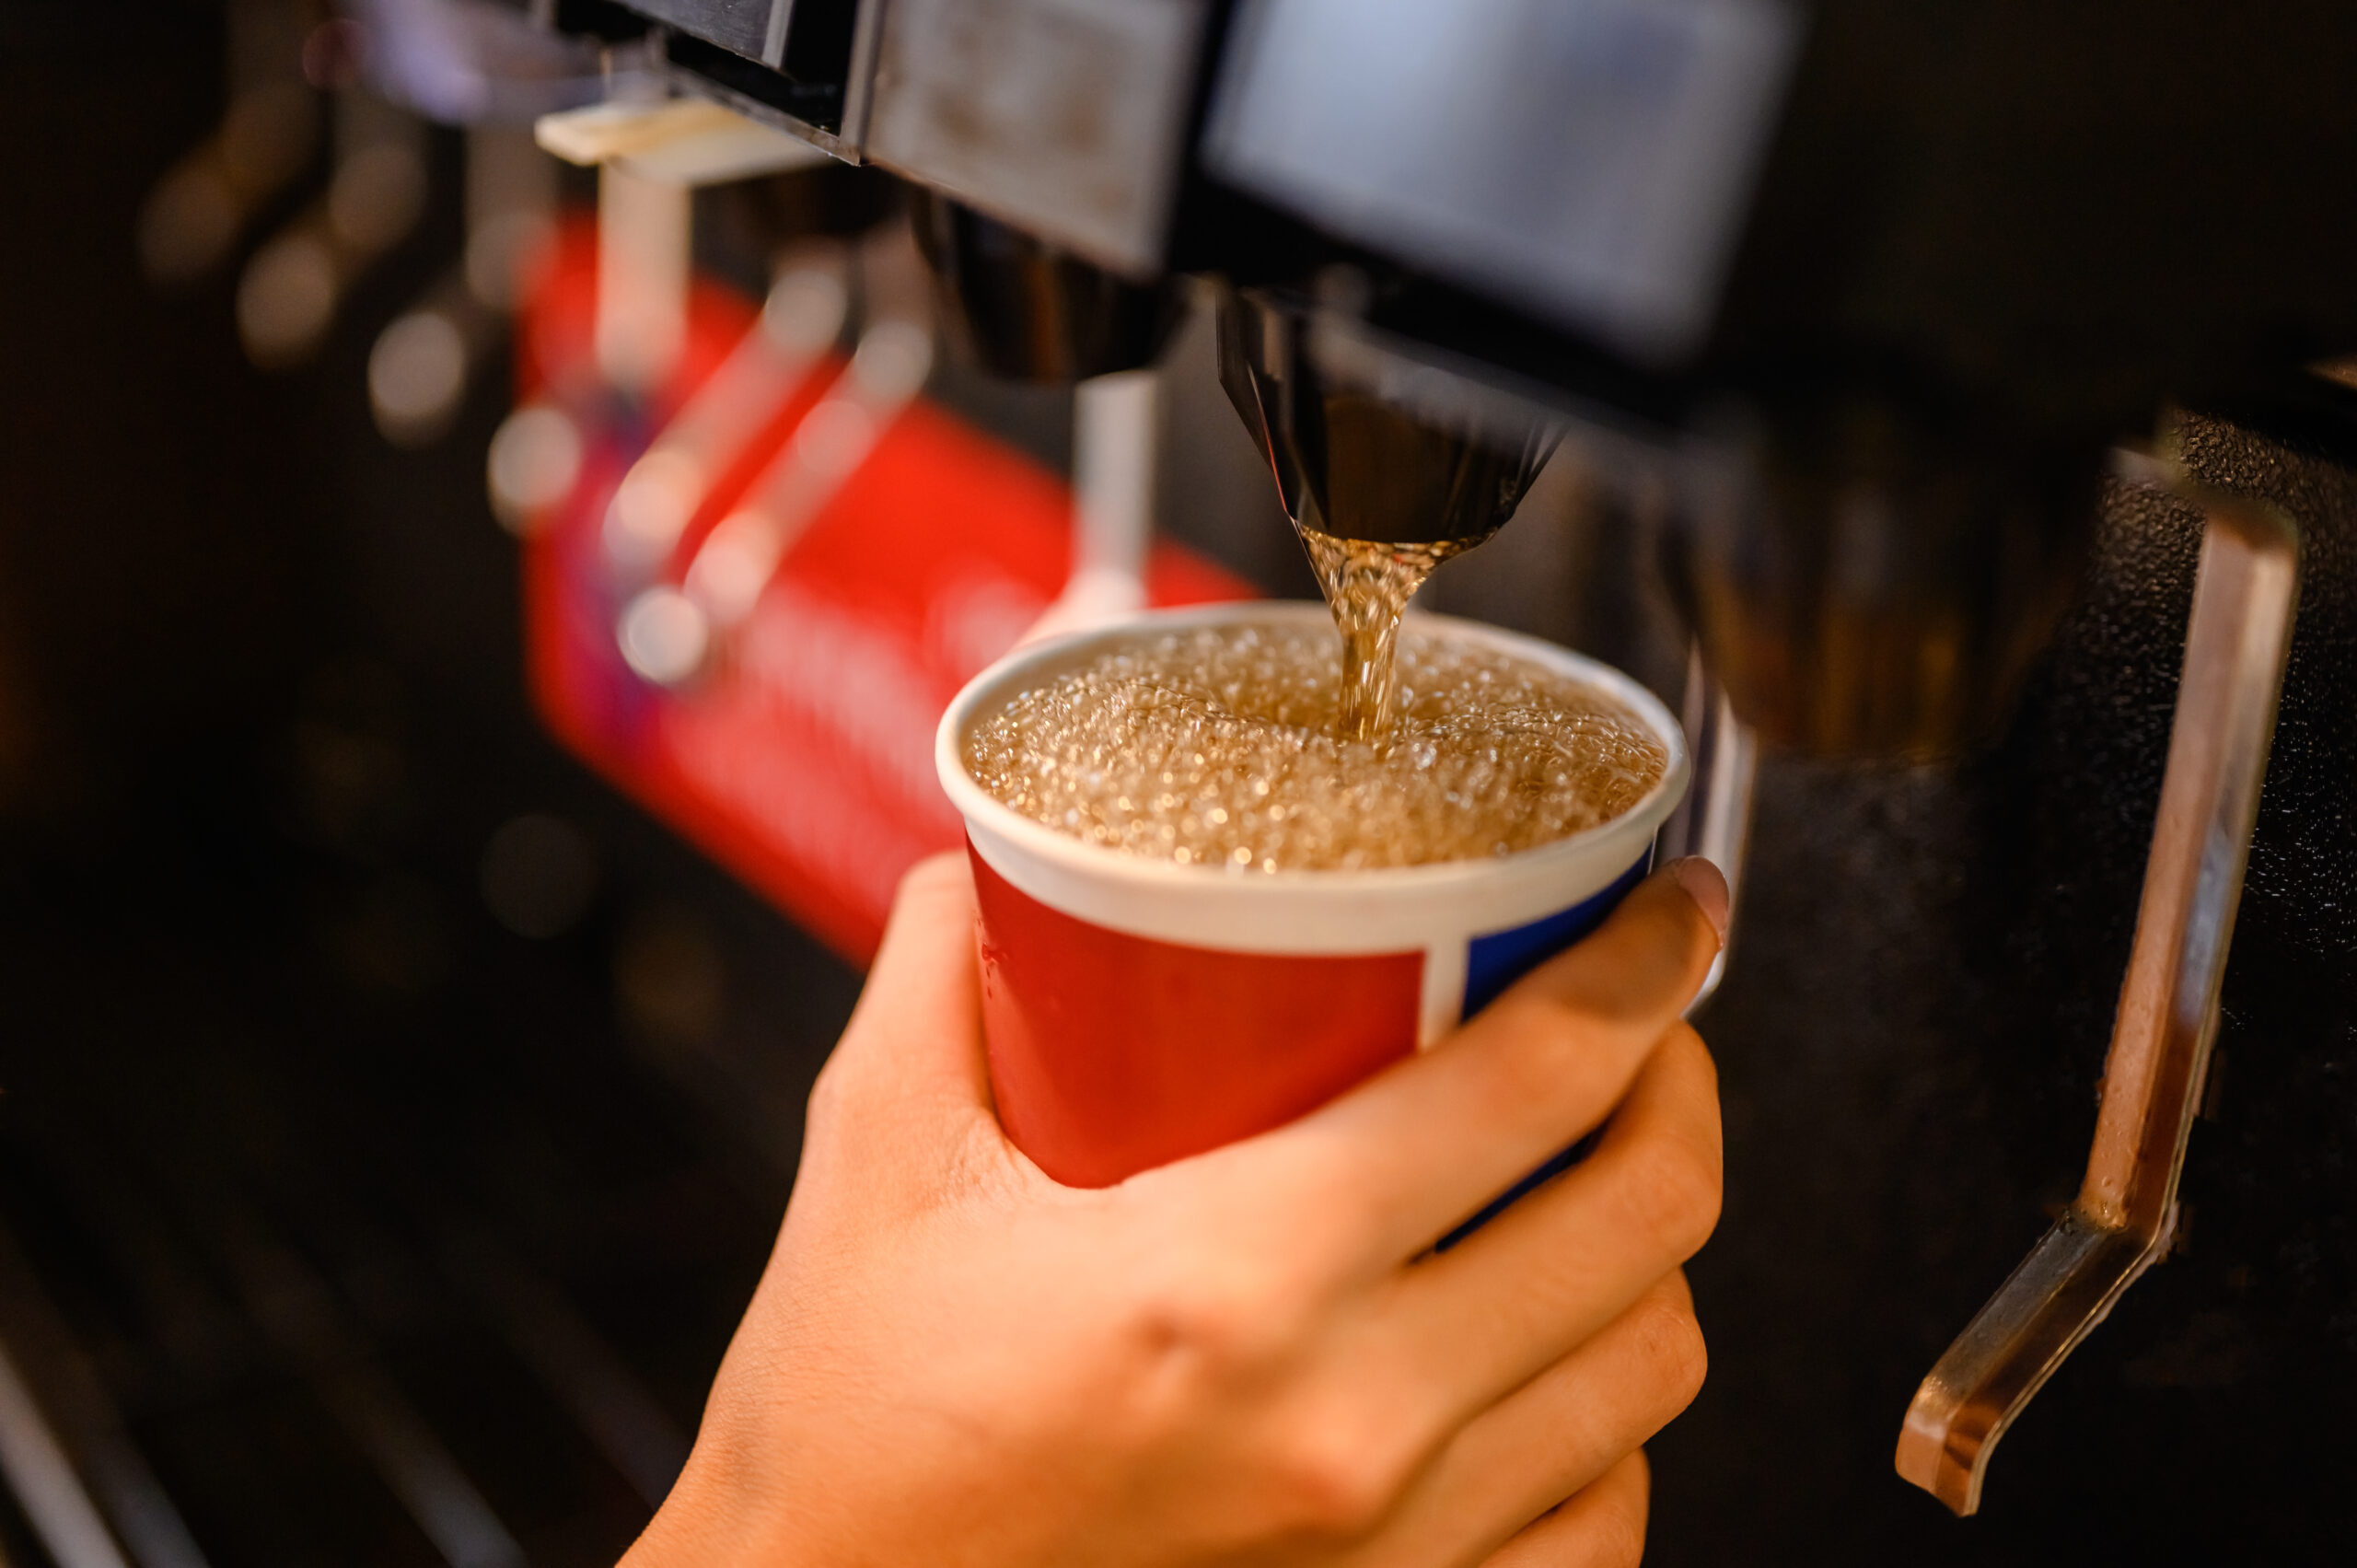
(328,1204)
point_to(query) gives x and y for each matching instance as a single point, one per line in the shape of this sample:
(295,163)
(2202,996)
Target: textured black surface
(1912,1036)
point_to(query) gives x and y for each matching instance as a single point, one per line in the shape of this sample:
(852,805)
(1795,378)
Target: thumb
(915,1044)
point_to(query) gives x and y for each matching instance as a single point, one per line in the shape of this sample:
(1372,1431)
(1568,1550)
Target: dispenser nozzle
(1354,461)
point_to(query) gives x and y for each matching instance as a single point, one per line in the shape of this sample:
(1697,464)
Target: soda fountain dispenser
(1885,299)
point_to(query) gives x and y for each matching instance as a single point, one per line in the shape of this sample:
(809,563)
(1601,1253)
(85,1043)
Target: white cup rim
(1624,836)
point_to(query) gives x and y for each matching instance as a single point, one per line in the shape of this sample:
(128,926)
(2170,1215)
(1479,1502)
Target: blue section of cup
(1497,960)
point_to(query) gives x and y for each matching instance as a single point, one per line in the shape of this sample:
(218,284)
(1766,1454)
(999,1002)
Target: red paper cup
(1140,1011)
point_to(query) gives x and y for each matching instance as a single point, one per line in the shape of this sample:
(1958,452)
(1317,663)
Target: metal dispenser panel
(1067,118)
(743,27)
(1601,184)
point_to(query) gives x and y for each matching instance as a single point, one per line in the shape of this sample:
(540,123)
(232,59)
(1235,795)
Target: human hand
(1250,1356)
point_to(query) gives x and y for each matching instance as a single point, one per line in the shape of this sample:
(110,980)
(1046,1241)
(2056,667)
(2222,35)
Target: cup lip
(1004,678)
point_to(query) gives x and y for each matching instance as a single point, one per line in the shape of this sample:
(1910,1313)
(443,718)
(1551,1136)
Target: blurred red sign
(802,761)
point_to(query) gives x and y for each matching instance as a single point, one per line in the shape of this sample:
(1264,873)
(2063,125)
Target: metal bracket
(1714,820)
(2237,644)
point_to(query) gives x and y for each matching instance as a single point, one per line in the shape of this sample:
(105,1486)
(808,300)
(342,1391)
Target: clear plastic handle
(2237,644)
(1714,820)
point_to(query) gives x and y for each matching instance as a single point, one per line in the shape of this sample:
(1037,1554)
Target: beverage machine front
(1896,307)
(1905,326)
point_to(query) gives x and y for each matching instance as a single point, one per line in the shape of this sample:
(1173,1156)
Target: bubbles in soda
(1218,747)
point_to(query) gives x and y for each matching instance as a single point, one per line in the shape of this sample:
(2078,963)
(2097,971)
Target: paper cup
(1139,1011)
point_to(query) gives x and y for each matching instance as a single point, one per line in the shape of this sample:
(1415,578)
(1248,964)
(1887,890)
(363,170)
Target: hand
(1247,1357)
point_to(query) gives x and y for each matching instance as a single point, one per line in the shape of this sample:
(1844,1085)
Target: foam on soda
(1220,747)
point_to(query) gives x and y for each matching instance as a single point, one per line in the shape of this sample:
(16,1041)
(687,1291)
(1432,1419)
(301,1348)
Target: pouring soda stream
(1367,586)
(1379,491)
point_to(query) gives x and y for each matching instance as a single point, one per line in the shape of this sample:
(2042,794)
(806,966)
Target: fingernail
(1707,888)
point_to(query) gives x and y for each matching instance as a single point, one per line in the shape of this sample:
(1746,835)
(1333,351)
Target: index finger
(1424,1144)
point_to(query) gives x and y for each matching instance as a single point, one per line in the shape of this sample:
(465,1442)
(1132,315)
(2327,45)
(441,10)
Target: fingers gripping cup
(1140,1007)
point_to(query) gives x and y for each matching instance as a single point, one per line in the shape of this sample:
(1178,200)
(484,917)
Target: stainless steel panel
(1587,160)
(1065,117)
(741,27)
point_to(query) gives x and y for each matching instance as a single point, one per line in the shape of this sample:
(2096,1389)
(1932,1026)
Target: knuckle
(1685,1037)
(1670,1340)
(1546,1036)
(1338,1475)
(1674,1193)
(1532,1036)
(1214,1325)
(1619,1536)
